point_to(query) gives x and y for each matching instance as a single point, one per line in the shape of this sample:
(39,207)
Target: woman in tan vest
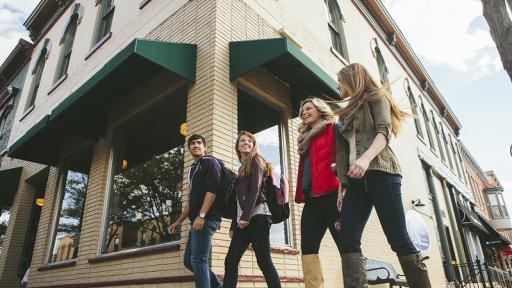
(371,174)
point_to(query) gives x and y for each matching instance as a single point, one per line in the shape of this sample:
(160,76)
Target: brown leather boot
(312,269)
(415,270)
(354,270)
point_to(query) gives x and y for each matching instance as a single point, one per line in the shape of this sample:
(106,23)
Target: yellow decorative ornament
(183,129)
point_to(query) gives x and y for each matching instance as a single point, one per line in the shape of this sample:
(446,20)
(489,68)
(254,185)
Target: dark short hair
(195,137)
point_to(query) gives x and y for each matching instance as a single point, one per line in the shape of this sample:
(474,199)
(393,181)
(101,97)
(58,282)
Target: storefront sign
(418,230)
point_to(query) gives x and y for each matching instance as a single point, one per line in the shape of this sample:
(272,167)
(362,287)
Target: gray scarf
(304,138)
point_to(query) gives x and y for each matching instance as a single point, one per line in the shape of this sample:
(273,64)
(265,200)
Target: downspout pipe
(445,248)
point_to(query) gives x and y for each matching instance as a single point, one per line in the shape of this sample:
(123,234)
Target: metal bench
(380,272)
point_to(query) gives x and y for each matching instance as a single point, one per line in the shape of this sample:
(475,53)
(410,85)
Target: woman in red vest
(317,185)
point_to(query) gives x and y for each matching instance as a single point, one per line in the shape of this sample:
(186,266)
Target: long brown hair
(361,88)
(245,169)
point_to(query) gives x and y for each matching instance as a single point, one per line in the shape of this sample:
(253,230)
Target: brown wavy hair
(361,89)
(245,169)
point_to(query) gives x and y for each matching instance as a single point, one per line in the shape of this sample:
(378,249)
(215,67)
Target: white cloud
(268,137)
(12,15)
(440,31)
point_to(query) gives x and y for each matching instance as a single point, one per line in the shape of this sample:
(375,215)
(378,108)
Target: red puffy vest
(322,153)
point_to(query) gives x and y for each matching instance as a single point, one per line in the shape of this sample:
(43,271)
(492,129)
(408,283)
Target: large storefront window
(4,219)
(75,178)
(147,175)
(265,123)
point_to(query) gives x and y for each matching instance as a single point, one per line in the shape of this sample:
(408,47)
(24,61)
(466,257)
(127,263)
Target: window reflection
(265,123)
(269,147)
(67,235)
(146,187)
(146,199)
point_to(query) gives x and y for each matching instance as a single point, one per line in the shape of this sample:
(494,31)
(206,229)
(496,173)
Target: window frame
(67,42)
(446,147)
(3,122)
(59,199)
(102,18)
(438,138)
(37,75)
(381,64)
(501,205)
(116,136)
(427,126)
(336,30)
(115,149)
(414,108)
(283,140)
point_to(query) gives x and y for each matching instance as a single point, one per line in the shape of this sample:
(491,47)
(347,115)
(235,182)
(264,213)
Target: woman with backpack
(317,185)
(253,219)
(369,169)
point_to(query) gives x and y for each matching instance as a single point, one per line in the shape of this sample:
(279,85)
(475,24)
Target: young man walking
(204,181)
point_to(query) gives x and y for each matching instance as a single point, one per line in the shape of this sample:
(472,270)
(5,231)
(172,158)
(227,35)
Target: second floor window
(414,107)
(335,24)
(37,73)
(446,146)
(455,158)
(427,126)
(497,205)
(67,44)
(3,121)
(106,11)
(381,64)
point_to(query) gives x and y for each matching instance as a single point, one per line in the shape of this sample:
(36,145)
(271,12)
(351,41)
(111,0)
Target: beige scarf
(304,138)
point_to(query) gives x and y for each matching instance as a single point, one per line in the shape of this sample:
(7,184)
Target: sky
(452,41)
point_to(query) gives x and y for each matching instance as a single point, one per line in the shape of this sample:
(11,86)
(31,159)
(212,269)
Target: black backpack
(226,198)
(276,195)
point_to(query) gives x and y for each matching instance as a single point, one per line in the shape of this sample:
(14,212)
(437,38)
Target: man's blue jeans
(196,255)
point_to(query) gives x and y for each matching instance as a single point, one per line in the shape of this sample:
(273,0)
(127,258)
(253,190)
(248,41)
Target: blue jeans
(196,255)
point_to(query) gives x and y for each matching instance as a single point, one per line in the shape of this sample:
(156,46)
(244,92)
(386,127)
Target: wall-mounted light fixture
(417,203)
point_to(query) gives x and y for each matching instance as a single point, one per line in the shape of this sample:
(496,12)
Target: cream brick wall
(13,245)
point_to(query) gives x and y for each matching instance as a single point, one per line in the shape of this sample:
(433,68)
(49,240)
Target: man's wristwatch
(202,215)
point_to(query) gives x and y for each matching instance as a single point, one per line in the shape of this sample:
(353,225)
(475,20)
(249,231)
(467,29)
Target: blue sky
(453,42)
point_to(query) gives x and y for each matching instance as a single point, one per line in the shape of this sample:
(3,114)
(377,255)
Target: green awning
(38,144)
(283,59)
(82,116)
(495,238)
(85,109)
(470,218)
(9,181)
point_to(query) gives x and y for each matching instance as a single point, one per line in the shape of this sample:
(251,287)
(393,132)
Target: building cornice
(42,18)
(18,57)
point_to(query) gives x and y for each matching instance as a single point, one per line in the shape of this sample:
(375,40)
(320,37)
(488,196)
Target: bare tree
(500,24)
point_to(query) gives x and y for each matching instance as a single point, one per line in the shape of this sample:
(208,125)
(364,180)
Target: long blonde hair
(361,88)
(245,169)
(322,107)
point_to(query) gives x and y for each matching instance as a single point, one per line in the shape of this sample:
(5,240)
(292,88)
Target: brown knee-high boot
(354,270)
(312,268)
(415,270)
